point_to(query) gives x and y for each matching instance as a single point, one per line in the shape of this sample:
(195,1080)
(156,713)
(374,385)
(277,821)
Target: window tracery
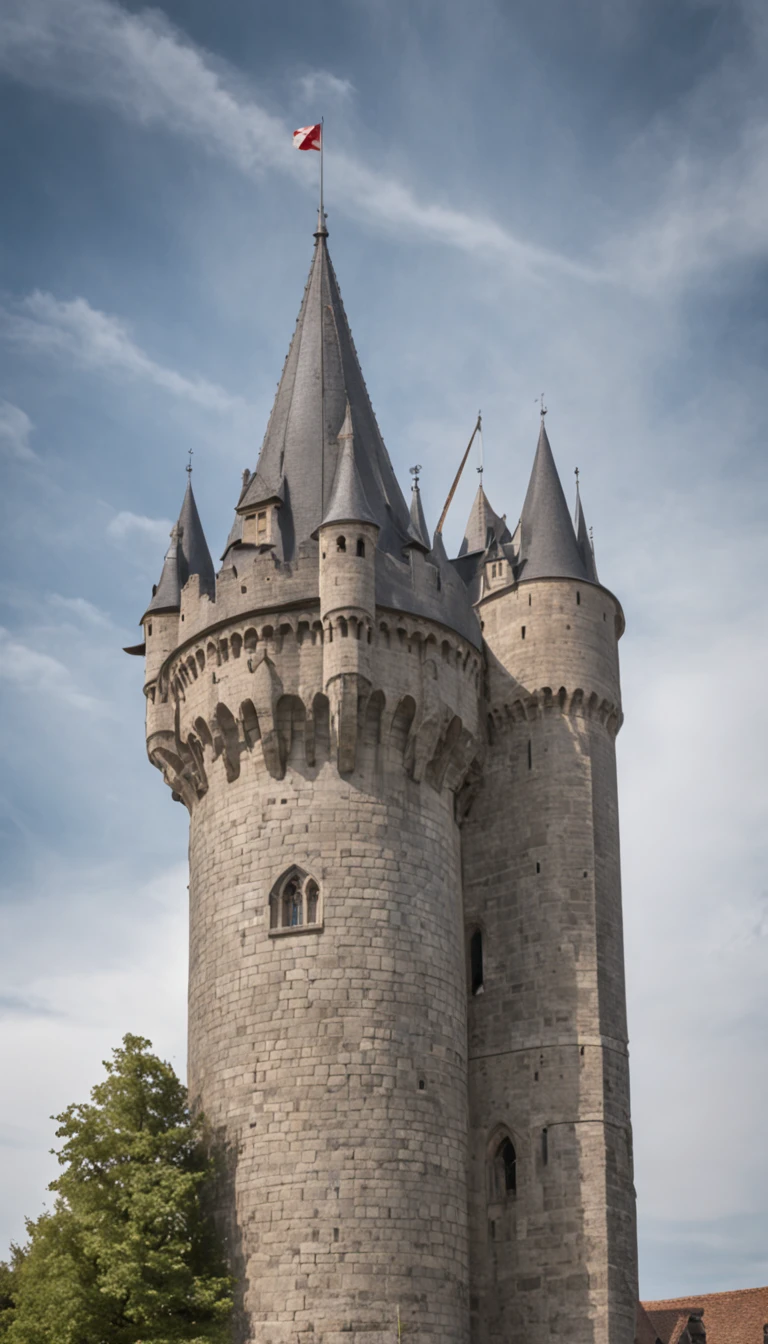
(294,902)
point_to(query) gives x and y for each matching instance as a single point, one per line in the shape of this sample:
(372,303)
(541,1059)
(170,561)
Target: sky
(522,197)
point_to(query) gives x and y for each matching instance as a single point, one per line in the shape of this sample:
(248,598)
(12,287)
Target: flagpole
(322,151)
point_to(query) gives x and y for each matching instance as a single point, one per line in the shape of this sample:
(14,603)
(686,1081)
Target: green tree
(127,1254)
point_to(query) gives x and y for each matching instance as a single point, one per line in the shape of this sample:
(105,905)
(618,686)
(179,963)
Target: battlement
(260,684)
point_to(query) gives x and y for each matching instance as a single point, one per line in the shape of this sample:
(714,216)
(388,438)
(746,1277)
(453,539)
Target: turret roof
(320,378)
(348,503)
(419,530)
(166,595)
(194,556)
(187,554)
(548,545)
(586,550)
(482,517)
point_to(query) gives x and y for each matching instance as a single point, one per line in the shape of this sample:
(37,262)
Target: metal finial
(543,409)
(592,539)
(576,474)
(415,474)
(188,467)
(480,469)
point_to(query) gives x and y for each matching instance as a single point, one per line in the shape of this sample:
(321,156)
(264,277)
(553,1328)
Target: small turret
(347,536)
(187,556)
(161,619)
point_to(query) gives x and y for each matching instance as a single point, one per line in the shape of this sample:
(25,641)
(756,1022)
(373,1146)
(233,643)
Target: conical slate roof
(194,556)
(419,529)
(187,554)
(321,376)
(584,541)
(348,502)
(481,518)
(166,595)
(548,545)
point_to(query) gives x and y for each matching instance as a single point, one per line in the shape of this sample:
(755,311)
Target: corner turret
(187,557)
(347,536)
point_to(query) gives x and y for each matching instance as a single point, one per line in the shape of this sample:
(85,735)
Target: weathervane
(480,469)
(415,474)
(188,467)
(540,400)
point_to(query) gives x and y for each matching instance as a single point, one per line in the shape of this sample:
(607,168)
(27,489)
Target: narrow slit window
(544,1147)
(530,755)
(476,962)
(504,1170)
(360,546)
(578,599)
(522,631)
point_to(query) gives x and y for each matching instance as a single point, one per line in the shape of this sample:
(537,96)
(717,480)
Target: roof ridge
(699,1297)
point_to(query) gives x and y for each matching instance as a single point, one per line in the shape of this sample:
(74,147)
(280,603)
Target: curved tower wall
(330,1061)
(554,1257)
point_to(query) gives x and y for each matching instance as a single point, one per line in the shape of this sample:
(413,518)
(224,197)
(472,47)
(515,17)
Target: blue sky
(521,197)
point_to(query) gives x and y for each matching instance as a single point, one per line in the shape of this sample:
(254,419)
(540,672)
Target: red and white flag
(308,137)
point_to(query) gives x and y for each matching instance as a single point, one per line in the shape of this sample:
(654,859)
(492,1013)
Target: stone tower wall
(548,1066)
(330,1061)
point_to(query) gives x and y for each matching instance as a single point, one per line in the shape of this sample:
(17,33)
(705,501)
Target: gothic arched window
(294,902)
(504,1170)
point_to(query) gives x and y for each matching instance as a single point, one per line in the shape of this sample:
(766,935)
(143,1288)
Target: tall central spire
(321,378)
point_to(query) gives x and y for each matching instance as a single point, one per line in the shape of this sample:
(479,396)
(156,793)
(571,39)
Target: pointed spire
(548,545)
(482,519)
(194,556)
(418,527)
(583,538)
(320,377)
(348,503)
(187,554)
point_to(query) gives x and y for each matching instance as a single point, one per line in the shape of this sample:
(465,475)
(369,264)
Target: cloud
(126,524)
(154,76)
(41,674)
(15,431)
(20,1005)
(320,85)
(73,330)
(80,607)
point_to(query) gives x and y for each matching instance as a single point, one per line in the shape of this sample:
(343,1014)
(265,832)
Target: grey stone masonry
(407,1024)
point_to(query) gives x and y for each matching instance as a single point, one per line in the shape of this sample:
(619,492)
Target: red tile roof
(645,1330)
(728,1318)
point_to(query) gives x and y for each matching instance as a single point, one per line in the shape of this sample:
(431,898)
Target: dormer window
(258,527)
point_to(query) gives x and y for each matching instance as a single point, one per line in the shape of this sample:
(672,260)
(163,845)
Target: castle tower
(406,1000)
(318,715)
(552,1230)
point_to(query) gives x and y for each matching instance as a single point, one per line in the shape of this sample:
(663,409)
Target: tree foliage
(127,1254)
